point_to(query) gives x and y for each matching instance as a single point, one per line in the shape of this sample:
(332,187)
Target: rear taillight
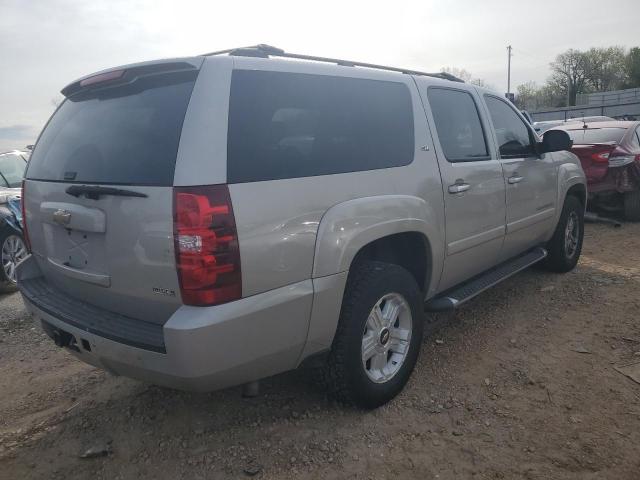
(206,245)
(621,157)
(25,233)
(600,157)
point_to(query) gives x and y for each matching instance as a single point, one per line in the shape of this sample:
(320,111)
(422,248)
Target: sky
(44,45)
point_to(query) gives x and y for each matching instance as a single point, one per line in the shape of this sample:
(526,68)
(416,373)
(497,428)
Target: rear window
(127,134)
(11,170)
(286,125)
(596,135)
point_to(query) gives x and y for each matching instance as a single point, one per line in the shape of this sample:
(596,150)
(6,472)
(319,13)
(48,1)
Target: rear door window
(127,134)
(287,125)
(514,137)
(458,125)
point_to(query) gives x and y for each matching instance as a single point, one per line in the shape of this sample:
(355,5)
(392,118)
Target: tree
(605,68)
(527,96)
(461,73)
(480,82)
(632,68)
(465,75)
(570,73)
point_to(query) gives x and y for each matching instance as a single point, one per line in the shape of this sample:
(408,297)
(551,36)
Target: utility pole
(509,70)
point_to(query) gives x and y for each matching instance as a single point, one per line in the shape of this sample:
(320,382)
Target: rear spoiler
(129,74)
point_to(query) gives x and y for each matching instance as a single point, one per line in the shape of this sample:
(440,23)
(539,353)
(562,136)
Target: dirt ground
(518,384)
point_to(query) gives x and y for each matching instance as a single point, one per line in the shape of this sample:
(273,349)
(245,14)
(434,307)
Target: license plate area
(76,249)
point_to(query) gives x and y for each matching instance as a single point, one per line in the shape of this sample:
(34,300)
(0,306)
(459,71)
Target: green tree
(605,68)
(632,68)
(569,73)
(461,73)
(527,96)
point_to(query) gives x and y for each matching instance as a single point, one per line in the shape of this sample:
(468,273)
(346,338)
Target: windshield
(12,168)
(596,135)
(127,134)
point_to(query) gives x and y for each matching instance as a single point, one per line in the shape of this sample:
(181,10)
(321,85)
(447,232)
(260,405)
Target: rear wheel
(566,244)
(632,206)
(12,251)
(378,337)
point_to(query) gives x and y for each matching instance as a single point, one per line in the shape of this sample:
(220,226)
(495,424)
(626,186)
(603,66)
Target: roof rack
(266,51)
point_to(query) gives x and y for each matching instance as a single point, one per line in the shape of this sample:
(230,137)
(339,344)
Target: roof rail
(266,51)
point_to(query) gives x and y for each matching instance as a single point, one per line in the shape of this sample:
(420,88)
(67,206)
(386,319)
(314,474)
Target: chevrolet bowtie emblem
(63,217)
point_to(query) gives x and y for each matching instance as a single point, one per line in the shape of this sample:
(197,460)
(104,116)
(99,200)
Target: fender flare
(343,231)
(569,175)
(348,226)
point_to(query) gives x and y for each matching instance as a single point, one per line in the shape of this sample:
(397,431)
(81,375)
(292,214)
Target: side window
(288,125)
(458,125)
(514,138)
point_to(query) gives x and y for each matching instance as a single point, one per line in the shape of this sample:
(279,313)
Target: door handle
(515,179)
(459,187)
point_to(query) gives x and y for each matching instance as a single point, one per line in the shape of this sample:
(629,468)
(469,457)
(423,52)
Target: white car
(541,127)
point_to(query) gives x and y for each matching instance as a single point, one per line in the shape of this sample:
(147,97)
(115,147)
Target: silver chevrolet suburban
(210,221)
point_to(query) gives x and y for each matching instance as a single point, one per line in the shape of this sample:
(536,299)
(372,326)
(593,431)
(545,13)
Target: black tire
(563,257)
(345,376)
(632,206)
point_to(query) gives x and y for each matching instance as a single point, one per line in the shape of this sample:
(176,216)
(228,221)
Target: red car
(610,157)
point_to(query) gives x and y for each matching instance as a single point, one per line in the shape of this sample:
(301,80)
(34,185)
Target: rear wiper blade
(94,191)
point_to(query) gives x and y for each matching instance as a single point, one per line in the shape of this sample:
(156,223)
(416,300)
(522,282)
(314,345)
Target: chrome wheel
(386,337)
(13,252)
(571,235)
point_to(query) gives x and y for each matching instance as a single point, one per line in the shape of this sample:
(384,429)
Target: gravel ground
(520,383)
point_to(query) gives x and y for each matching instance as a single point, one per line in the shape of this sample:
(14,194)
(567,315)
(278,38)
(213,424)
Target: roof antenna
(584,124)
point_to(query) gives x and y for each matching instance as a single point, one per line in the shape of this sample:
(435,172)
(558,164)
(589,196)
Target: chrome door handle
(515,179)
(459,187)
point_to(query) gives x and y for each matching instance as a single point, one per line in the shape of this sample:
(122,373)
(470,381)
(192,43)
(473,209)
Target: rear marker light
(206,245)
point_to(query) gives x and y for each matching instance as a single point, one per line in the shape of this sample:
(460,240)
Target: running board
(458,295)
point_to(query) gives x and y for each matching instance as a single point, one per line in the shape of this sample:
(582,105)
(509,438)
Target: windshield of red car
(586,136)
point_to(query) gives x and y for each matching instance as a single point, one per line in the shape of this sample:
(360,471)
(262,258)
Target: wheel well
(410,250)
(580,192)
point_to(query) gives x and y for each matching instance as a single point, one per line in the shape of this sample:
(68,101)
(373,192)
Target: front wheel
(378,337)
(566,244)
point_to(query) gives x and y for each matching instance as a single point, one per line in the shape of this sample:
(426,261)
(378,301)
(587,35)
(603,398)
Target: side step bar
(455,297)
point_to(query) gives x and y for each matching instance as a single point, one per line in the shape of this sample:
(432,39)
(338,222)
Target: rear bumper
(617,180)
(206,348)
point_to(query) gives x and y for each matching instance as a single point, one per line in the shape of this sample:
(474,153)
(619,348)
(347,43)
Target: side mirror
(555,141)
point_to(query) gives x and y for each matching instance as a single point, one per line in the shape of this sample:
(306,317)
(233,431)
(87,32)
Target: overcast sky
(46,44)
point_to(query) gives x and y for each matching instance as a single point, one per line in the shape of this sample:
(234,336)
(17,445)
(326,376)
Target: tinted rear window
(121,135)
(286,125)
(596,135)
